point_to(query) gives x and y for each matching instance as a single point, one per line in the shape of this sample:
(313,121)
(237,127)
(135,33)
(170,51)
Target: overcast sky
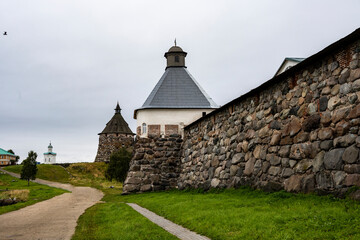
(65,63)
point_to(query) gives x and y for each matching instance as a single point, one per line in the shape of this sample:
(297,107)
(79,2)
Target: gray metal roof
(178,89)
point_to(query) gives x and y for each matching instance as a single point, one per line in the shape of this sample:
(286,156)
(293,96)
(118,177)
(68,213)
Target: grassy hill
(78,174)
(54,173)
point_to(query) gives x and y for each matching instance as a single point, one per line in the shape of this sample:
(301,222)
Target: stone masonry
(299,132)
(110,142)
(155,165)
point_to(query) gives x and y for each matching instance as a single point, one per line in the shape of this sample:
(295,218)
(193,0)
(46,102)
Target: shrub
(118,165)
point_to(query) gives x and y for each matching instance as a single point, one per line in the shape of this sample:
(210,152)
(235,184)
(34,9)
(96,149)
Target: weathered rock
(318,162)
(263,132)
(342,128)
(354,74)
(351,154)
(293,184)
(287,172)
(340,114)
(275,125)
(217,172)
(293,127)
(308,183)
(345,88)
(356,85)
(326,90)
(286,140)
(275,139)
(324,180)
(215,162)
(311,123)
(292,163)
(284,151)
(338,177)
(300,151)
(312,108)
(146,188)
(265,167)
(325,119)
(215,182)
(326,145)
(334,102)
(344,76)
(238,157)
(325,133)
(344,141)
(249,166)
(352,180)
(275,160)
(303,165)
(257,151)
(352,168)
(355,112)
(274,170)
(333,159)
(233,170)
(301,137)
(323,103)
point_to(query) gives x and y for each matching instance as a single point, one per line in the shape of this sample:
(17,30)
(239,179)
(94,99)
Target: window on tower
(144,128)
(177,59)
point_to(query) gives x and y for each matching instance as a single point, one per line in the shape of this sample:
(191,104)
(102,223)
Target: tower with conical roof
(115,135)
(176,101)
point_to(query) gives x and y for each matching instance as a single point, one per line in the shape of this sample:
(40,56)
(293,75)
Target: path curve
(55,218)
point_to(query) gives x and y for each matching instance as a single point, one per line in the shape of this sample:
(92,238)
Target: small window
(177,59)
(203,114)
(144,128)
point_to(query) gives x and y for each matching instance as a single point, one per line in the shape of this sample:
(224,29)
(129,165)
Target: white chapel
(50,156)
(176,101)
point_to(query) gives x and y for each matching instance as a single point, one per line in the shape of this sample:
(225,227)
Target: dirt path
(51,219)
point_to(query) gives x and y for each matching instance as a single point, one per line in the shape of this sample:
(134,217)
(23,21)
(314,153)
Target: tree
(29,168)
(118,165)
(13,162)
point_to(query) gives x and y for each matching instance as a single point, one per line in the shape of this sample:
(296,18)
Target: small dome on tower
(175,49)
(50,145)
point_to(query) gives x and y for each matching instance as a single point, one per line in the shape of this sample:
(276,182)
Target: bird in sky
(5,33)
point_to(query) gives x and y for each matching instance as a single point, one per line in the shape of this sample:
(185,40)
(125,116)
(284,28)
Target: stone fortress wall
(110,142)
(299,132)
(155,165)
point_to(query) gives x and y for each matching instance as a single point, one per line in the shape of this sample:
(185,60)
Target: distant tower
(50,156)
(115,135)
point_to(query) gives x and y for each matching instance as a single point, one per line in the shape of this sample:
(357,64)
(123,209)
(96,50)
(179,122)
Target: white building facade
(50,156)
(176,101)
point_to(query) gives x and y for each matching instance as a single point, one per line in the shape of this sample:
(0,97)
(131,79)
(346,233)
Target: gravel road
(51,219)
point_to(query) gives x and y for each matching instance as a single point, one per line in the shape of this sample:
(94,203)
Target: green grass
(122,223)
(38,192)
(250,214)
(49,172)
